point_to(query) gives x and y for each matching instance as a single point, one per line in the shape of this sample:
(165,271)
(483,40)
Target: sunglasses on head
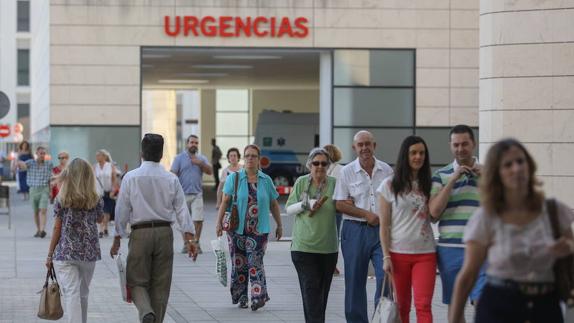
(317,163)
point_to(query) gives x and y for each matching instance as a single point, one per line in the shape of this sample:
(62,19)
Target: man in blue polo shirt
(454,198)
(189,167)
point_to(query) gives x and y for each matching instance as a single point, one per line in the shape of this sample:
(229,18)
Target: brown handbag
(563,267)
(231,219)
(50,304)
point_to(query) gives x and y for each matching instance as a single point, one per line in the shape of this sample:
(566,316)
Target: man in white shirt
(149,199)
(356,199)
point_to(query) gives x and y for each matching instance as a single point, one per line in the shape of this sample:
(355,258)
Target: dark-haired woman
(233,157)
(406,234)
(512,231)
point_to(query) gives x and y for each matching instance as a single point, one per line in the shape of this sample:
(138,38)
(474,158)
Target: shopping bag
(50,303)
(218,246)
(120,263)
(387,310)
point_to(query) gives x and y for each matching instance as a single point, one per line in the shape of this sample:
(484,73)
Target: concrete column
(526,82)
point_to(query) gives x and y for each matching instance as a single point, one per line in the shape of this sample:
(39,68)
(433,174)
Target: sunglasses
(317,163)
(60,158)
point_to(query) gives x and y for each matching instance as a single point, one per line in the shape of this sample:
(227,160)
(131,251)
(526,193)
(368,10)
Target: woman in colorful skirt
(256,200)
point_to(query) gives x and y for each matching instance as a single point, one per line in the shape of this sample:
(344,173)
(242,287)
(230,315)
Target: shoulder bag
(50,304)
(387,310)
(231,219)
(563,267)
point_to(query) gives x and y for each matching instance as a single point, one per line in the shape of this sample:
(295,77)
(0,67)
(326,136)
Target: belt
(529,289)
(358,222)
(150,224)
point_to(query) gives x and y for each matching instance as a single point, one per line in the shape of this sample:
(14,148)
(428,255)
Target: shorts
(449,260)
(39,196)
(195,206)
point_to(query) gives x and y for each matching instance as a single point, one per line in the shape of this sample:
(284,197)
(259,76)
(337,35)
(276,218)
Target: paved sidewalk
(196,295)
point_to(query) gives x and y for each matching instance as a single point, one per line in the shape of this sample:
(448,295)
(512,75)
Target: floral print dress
(247,251)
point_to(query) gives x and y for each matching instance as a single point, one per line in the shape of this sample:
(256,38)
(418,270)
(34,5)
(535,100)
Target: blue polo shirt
(190,175)
(266,192)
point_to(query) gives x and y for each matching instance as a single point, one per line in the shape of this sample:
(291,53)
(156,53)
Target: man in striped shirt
(454,198)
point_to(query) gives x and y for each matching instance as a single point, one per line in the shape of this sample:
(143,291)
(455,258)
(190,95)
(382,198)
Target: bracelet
(386,257)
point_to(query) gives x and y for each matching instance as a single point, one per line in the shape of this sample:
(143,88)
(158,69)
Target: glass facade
(232,120)
(373,90)
(123,143)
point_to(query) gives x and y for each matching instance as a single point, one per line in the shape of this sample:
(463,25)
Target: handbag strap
(553,215)
(236,183)
(392,296)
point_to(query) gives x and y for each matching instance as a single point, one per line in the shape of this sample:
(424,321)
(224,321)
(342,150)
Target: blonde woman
(105,172)
(75,248)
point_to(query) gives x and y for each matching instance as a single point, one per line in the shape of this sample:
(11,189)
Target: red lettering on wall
(256,27)
(228,26)
(300,23)
(243,26)
(285,28)
(224,25)
(190,23)
(166,26)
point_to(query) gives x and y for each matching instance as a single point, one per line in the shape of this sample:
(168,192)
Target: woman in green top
(314,247)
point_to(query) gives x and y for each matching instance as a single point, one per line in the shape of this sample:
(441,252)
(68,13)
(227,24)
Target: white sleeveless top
(103,177)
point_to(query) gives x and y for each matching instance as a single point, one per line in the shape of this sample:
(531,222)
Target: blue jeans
(449,260)
(360,244)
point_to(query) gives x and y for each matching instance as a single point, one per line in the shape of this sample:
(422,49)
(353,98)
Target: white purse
(387,310)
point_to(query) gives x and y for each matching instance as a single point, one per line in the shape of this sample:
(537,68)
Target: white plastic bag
(218,246)
(387,310)
(120,263)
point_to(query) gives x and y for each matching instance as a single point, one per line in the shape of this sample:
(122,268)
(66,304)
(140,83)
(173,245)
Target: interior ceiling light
(201,74)
(247,57)
(183,81)
(223,66)
(145,55)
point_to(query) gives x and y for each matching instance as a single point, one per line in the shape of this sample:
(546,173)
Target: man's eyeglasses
(317,163)
(251,156)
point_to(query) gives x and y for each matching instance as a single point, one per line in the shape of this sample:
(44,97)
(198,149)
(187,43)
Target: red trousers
(416,272)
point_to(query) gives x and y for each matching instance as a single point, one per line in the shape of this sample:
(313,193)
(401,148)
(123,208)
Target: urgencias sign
(228,26)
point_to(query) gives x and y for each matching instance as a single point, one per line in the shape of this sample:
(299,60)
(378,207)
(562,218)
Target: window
(123,143)
(23,67)
(373,90)
(232,120)
(23,110)
(23,12)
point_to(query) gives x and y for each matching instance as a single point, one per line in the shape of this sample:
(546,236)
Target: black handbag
(563,267)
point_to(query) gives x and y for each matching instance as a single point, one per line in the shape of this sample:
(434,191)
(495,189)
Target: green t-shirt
(316,234)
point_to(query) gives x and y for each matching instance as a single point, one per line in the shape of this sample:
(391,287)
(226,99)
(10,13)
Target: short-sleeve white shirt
(356,184)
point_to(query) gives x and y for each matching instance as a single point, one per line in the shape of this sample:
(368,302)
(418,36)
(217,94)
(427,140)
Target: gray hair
(313,153)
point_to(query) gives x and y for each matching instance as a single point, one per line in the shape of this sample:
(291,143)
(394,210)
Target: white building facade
(396,67)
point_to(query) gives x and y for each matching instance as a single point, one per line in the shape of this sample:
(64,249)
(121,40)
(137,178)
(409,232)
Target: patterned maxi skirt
(246,252)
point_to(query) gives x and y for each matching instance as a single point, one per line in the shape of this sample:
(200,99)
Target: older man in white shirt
(356,199)
(149,199)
